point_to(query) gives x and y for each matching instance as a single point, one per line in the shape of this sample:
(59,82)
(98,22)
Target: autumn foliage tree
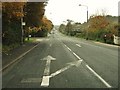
(34,13)
(43,29)
(97,27)
(47,24)
(35,19)
(100,25)
(11,23)
(12,15)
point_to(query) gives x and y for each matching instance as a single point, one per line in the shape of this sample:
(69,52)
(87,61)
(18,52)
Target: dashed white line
(65,45)
(98,76)
(78,45)
(76,55)
(109,86)
(73,52)
(69,49)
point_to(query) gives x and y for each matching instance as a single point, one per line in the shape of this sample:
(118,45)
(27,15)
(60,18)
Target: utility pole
(87,19)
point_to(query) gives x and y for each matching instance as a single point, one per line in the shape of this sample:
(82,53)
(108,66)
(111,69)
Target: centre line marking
(78,45)
(109,86)
(65,45)
(76,55)
(69,49)
(73,52)
(98,76)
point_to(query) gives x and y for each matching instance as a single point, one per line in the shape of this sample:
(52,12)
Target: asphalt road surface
(60,61)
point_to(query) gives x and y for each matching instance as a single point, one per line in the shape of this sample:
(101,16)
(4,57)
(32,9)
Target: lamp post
(22,32)
(22,25)
(87,19)
(87,10)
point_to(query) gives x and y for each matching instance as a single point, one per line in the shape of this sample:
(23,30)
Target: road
(60,61)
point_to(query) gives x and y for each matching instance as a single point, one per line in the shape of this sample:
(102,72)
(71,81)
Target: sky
(58,11)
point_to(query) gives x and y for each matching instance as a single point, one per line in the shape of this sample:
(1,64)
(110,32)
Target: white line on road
(98,76)
(76,56)
(46,77)
(47,68)
(45,81)
(78,45)
(18,58)
(75,63)
(69,49)
(109,86)
(73,52)
(65,45)
(60,71)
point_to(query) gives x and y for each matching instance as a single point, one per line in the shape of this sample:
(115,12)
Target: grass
(6,48)
(30,40)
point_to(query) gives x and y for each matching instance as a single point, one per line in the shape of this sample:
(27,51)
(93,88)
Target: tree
(62,28)
(43,29)
(47,24)
(97,26)
(11,23)
(68,28)
(34,13)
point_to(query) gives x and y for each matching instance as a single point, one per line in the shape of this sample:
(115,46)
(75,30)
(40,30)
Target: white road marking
(69,49)
(59,71)
(18,58)
(76,56)
(73,53)
(65,45)
(108,85)
(75,63)
(47,68)
(45,80)
(78,45)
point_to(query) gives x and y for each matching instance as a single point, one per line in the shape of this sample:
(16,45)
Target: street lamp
(87,19)
(22,23)
(87,10)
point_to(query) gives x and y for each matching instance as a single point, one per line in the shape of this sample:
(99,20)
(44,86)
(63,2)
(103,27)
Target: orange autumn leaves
(47,24)
(13,10)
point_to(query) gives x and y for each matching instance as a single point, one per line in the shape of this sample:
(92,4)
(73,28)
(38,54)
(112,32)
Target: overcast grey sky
(61,10)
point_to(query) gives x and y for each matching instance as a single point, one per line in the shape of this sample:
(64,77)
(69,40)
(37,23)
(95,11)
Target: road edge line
(6,66)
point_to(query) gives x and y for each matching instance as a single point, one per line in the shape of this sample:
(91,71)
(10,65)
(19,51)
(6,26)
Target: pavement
(60,61)
(17,52)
